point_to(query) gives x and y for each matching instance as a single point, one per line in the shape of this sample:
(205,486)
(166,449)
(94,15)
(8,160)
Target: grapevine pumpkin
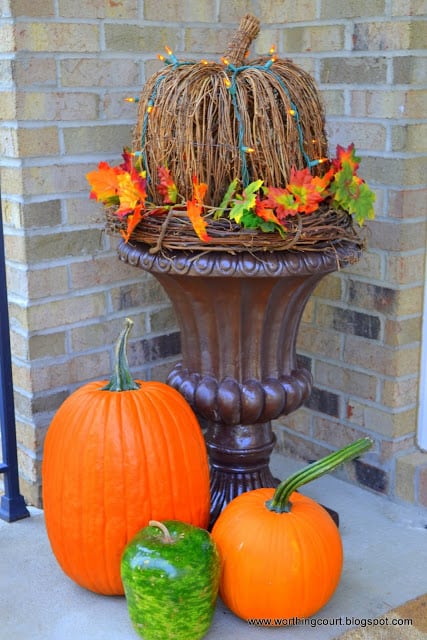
(281,551)
(228,155)
(235,118)
(116,455)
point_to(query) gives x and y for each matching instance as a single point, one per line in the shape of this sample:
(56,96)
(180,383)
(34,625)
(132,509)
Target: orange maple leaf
(132,221)
(194,211)
(266,212)
(103,181)
(199,190)
(322,183)
(344,156)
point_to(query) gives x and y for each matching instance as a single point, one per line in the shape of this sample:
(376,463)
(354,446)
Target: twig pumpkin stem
(242,39)
(280,501)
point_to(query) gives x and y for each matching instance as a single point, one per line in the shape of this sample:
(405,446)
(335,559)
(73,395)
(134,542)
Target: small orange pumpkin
(116,456)
(281,552)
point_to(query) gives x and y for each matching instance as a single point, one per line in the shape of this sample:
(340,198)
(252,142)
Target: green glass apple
(170,572)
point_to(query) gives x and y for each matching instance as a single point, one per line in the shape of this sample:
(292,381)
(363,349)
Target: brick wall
(66,67)
(361,331)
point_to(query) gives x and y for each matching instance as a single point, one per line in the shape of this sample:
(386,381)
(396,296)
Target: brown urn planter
(239,317)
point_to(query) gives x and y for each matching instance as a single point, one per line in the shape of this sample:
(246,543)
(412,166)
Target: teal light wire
(145,125)
(233,91)
(151,102)
(309,162)
(241,131)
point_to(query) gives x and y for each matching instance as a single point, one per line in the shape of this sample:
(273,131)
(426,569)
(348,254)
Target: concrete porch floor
(385,548)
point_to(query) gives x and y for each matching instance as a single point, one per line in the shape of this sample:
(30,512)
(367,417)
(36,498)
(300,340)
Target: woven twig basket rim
(172,230)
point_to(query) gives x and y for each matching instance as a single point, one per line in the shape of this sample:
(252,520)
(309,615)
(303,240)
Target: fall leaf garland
(257,206)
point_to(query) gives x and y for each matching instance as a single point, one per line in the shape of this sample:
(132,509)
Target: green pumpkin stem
(280,501)
(122,379)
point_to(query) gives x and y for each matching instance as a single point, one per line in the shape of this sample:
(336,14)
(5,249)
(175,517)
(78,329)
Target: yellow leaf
(131,193)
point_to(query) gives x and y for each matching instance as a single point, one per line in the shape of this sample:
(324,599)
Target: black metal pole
(12,504)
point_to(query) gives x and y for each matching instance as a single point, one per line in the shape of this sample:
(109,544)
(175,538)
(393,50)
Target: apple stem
(163,528)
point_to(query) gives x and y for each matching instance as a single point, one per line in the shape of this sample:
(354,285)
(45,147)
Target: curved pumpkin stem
(280,501)
(122,380)
(167,538)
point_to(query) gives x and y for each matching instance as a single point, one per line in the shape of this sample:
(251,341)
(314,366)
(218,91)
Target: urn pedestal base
(239,458)
(239,317)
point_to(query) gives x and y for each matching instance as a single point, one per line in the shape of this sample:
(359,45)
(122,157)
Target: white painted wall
(422,412)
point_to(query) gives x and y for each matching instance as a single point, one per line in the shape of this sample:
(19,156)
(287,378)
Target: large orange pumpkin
(281,552)
(117,455)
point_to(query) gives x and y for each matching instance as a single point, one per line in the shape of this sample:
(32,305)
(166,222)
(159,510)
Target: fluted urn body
(239,317)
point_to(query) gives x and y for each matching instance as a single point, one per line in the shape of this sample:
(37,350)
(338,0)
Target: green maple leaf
(250,220)
(363,207)
(341,186)
(245,202)
(352,194)
(226,199)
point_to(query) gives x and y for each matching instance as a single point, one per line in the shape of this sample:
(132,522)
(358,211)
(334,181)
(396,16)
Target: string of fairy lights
(230,81)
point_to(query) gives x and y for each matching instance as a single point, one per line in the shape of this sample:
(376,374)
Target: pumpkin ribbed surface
(277,566)
(113,461)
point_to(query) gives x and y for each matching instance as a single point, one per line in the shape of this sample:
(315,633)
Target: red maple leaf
(282,201)
(304,190)
(127,160)
(166,186)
